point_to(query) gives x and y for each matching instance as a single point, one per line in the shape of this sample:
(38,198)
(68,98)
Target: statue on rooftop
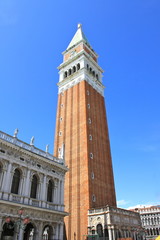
(47,148)
(15,132)
(32,141)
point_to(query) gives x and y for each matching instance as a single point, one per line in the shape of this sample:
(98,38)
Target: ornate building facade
(110,223)
(31,191)
(150,218)
(81,125)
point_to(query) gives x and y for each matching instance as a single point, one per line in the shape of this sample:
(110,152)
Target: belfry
(81,126)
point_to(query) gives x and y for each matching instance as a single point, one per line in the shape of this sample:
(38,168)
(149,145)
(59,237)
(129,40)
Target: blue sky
(126,35)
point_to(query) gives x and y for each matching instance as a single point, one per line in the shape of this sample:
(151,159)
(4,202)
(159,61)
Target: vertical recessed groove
(70,166)
(78,164)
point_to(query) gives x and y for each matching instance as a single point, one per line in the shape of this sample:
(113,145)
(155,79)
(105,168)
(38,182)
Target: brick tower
(81,125)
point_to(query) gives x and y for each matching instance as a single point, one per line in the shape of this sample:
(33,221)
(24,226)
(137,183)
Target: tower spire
(78,37)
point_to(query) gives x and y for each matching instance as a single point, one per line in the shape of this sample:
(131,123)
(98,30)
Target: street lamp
(20,223)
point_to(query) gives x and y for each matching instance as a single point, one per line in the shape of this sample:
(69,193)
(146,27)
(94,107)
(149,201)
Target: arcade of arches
(10,231)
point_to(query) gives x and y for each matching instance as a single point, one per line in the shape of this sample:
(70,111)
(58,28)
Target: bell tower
(81,124)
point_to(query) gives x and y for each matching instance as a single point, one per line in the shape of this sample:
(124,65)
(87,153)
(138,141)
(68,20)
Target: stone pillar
(134,235)
(22,185)
(44,191)
(56,188)
(26,190)
(16,230)
(37,235)
(7,181)
(56,231)
(27,184)
(1,227)
(110,233)
(62,192)
(113,233)
(61,231)
(59,192)
(40,231)
(21,233)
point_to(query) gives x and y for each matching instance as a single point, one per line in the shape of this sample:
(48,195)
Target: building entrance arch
(48,232)
(29,232)
(100,230)
(8,231)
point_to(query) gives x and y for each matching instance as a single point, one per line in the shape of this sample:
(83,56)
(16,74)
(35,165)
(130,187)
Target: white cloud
(149,204)
(121,202)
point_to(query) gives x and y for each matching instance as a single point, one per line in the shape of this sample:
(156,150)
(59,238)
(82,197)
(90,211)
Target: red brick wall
(79,186)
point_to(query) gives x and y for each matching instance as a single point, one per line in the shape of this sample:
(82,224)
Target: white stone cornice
(8,143)
(8,206)
(82,76)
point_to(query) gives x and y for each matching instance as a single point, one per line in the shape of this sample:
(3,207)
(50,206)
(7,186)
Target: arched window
(90,70)
(34,186)
(87,66)
(100,230)
(97,77)
(50,191)
(90,137)
(154,231)
(78,66)
(93,198)
(65,74)
(15,181)
(93,73)
(92,175)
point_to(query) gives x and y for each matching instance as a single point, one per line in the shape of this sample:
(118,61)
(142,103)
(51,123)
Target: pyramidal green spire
(78,37)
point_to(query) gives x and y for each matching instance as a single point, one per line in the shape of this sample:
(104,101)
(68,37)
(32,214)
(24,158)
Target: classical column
(62,192)
(56,186)
(61,232)
(134,235)
(56,234)
(1,229)
(21,233)
(27,184)
(44,191)
(26,190)
(16,229)
(7,181)
(38,231)
(110,233)
(113,233)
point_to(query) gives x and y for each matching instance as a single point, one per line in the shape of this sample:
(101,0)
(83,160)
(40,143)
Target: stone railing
(112,210)
(30,201)
(29,147)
